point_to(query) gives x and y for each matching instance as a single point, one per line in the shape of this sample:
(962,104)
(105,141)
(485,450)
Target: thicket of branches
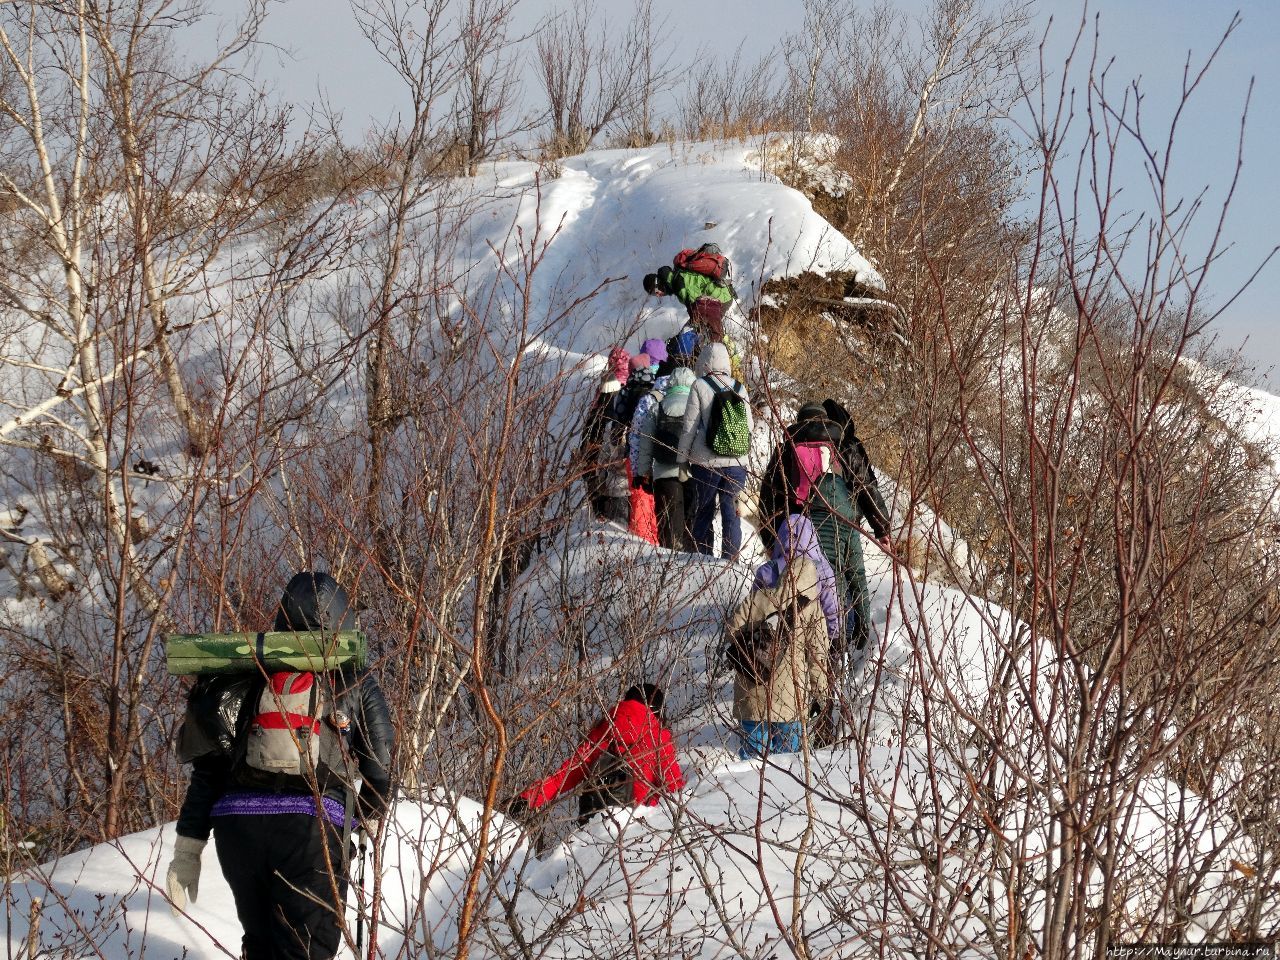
(228,352)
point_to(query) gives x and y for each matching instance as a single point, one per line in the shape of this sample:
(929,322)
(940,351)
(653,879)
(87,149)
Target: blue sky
(324,55)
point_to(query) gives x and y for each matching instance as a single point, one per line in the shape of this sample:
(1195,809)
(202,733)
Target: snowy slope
(830,846)
(746,855)
(615,215)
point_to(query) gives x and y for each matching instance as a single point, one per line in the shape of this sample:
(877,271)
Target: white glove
(684,474)
(183,879)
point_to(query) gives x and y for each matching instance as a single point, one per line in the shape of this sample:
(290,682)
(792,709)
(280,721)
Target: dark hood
(315,601)
(837,413)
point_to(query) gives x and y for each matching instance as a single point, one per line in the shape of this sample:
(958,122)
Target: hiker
(798,538)
(777,644)
(826,422)
(694,274)
(282,848)
(605,482)
(655,444)
(700,279)
(706,325)
(643,521)
(627,759)
(821,472)
(714,444)
(858,472)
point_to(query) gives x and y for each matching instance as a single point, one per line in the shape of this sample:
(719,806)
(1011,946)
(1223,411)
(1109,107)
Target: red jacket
(635,734)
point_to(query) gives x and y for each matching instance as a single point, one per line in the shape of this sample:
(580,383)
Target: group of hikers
(667,437)
(664,450)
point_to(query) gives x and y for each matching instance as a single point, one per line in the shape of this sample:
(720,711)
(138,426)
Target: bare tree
(592,81)
(729,99)
(488,86)
(129,174)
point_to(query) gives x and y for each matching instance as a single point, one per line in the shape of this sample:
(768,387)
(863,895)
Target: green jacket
(835,518)
(689,286)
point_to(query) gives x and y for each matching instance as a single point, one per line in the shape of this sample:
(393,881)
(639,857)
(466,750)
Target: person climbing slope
(655,444)
(777,644)
(628,758)
(283,849)
(694,275)
(820,424)
(643,521)
(858,473)
(597,452)
(798,538)
(715,442)
(823,470)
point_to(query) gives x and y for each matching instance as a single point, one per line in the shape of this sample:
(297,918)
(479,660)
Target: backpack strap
(736,387)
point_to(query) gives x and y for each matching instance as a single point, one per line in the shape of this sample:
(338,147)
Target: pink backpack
(813,459)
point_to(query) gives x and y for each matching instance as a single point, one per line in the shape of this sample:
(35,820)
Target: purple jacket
(797,538)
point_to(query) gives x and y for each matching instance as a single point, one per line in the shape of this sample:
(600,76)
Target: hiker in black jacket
(284,852)
(828,420)
(601,447)
(859,473)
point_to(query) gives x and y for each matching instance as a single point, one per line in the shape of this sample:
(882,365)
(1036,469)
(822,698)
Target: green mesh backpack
(728,429)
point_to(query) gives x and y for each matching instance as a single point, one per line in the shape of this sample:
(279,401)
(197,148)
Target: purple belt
(243,802)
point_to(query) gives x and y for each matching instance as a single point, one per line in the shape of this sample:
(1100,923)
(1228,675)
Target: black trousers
(672,501)
(608,786)
(617,509)
(276,867)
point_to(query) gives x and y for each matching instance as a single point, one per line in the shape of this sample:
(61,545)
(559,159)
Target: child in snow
(628,758)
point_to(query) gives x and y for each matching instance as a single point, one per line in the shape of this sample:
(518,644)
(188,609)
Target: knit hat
(640,362)
(616,370)
(656,349)
(679,359)
(618,364)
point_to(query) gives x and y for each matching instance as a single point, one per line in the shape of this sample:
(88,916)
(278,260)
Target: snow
(730,862)
(619,214)
(832,842)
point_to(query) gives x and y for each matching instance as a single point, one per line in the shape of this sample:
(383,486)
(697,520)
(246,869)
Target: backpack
(297,735)
(609,783)
(638,384)
(813,461)
(706,260)
(683,344)
(728,429)
(668,423)
(213,722)
(755,648)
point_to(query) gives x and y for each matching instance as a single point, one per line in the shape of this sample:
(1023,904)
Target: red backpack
(706,260)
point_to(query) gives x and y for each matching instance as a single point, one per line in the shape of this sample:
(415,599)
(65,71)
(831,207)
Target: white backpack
(297,734)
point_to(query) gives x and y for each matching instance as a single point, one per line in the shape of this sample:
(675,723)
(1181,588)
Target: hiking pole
(362,841)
